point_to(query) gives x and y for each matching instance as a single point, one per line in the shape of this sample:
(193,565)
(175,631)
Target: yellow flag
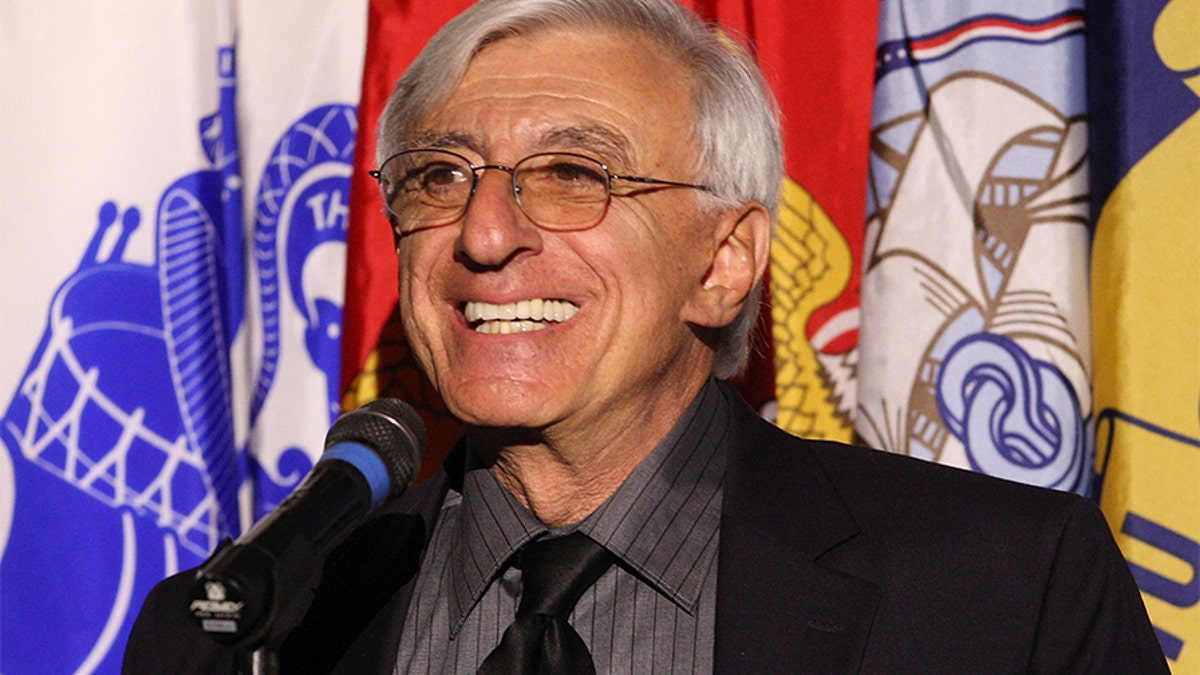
(1146,314)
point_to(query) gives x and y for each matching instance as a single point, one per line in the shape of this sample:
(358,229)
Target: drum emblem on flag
(127,425)
(121,428)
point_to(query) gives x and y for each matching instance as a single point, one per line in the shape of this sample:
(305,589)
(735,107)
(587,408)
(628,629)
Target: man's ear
(741,250)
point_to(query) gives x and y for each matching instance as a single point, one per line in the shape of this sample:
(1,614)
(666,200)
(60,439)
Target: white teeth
(517,317)
(506,327)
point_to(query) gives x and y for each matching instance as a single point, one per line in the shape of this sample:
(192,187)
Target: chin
(502,404)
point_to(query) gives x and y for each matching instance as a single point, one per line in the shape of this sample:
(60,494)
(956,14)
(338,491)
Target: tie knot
(556,571)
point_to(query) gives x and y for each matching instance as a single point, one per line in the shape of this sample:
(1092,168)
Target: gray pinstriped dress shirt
(653,612)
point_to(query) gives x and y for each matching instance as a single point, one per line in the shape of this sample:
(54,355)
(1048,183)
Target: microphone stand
(261,661)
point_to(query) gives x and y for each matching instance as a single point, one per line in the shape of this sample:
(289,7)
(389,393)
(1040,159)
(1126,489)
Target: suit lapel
(793,582)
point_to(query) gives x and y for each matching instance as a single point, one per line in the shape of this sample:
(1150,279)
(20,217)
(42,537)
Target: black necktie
(554,573)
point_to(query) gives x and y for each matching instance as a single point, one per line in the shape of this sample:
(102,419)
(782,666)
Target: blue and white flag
(975,334)
(299,75)
(172,225)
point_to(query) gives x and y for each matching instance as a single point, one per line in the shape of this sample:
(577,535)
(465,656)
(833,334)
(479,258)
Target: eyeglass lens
(424,188)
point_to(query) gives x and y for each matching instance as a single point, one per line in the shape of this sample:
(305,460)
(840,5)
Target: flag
(376,360)
(818,59)
(169,263)
(975,334)
(299,75)
(1144,83)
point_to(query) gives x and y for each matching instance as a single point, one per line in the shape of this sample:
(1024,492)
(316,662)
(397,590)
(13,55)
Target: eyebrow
(448,140)
(608,145)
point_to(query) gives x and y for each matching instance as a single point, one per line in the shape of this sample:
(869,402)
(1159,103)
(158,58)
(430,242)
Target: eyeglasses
(556,190)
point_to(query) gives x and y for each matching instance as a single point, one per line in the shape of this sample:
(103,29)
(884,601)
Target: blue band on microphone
(368,463)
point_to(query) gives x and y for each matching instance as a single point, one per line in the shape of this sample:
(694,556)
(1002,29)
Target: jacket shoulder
(963,561)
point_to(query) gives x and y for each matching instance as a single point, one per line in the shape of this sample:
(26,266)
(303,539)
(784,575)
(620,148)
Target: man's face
(628,284)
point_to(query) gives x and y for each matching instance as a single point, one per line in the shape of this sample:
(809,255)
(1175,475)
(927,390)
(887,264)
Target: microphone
(371,455)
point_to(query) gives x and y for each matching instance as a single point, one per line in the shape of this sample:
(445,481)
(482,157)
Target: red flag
(376,361)
(819,59)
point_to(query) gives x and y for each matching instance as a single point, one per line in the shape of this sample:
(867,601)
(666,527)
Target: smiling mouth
(517,317)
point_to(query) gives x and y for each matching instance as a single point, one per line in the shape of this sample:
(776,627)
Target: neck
(562,477)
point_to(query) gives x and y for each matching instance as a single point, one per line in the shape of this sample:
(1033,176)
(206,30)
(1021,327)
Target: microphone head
(390,427)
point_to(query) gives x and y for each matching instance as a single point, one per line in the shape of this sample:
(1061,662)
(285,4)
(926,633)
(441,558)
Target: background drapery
(987,255)
(174,204)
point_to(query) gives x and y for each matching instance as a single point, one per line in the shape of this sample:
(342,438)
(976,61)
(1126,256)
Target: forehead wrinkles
(562,97)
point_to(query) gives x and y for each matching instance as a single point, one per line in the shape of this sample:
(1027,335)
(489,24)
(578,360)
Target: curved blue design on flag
(292,466)
(300,233)
(191,274)
(303,200)
(120,433)
(1017,417)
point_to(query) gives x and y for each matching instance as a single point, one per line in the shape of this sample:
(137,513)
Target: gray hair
(735,122)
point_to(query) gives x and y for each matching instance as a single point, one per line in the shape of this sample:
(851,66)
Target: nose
(494,229)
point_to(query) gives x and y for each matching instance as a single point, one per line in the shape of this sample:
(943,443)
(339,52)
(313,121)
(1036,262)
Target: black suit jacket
(833,559)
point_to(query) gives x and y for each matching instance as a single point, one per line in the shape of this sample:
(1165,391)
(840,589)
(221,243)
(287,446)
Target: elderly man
(582,193)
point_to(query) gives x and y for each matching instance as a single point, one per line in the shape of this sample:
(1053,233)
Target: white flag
(171,242)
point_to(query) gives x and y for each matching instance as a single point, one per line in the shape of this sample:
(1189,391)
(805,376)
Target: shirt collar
(662,522)
(664,519)
(493,526)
